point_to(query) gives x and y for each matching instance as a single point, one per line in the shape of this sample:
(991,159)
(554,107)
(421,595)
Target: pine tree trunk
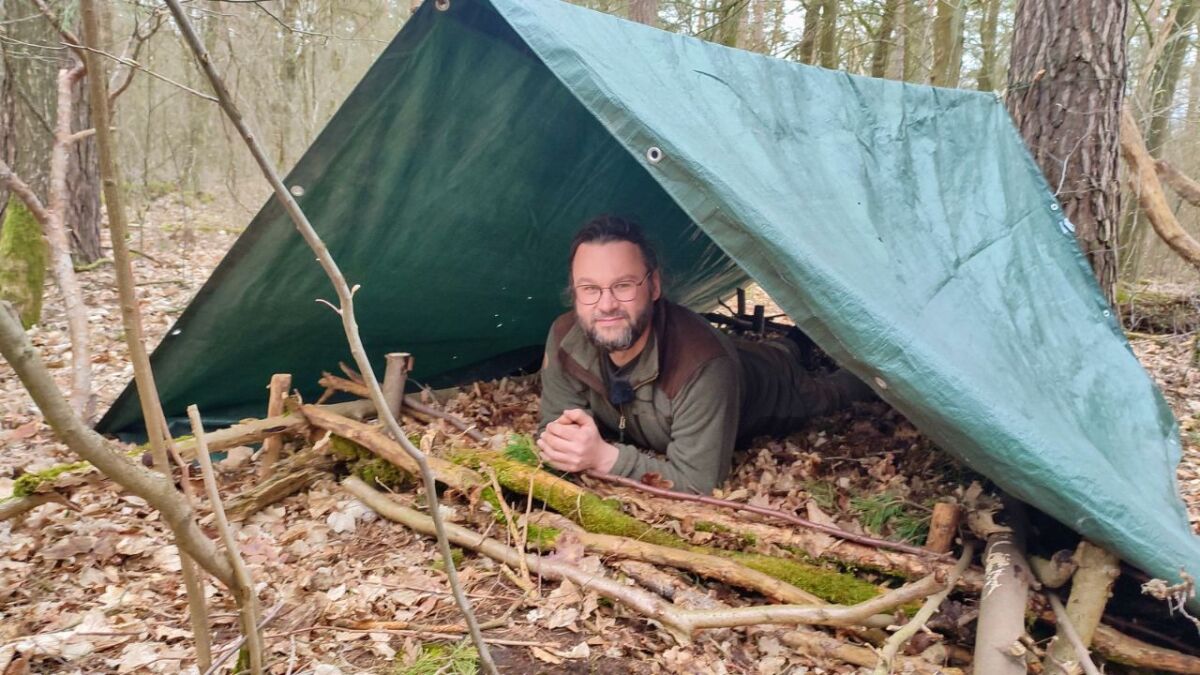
(916,28)
(807,49)
(947,44)
(1066,81)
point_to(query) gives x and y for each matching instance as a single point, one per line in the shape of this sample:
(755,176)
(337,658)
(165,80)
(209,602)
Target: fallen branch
(1091,587)
(822,646)
(291,475)
(887,655)
(681,623)
(763,511)
(11,508)
(596,515)
(158,490)
(1002,605)
(1185,186)
(1143,180)
(1120,648)
(1067,634)
(815,545)
(254,431)
(373,439)
(412,404)
(277,393)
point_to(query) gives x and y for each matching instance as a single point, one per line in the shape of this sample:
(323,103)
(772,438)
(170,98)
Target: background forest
(292,63)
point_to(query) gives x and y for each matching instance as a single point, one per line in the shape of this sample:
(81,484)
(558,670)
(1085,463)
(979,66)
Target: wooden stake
(998,648)
(943,527)
(281,383)
(1090,590)
(395,377)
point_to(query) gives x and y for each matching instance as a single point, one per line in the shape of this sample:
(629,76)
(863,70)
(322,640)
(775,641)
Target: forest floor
(97,589)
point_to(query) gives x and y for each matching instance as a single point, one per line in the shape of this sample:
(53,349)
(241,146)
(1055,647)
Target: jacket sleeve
(560,391)
(703,432)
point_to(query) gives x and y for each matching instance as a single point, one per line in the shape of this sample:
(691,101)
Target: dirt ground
(97,589)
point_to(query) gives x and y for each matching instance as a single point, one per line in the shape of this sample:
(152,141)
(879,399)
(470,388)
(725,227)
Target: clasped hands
(573,443)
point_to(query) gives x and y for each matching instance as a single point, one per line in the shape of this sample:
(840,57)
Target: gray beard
(626,338)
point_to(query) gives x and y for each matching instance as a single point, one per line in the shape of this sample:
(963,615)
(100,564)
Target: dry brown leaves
(98,590)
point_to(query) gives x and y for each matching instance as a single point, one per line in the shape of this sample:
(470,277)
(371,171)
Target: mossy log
(23,256)
(601,516)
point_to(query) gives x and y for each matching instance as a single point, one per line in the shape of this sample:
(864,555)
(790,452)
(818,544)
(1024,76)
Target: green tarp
(905,228)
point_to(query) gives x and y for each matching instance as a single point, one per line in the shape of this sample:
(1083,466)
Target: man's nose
(608,300)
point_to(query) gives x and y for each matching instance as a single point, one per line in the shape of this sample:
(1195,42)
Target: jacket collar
(582,359)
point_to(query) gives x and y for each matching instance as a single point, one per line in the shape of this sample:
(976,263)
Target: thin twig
(137,66)
(247,599)
(233,648)
(887,656)
(1068,629)
(763,511)
(349,322)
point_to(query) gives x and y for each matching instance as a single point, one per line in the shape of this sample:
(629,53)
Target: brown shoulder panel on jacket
(561,326)
(686,343)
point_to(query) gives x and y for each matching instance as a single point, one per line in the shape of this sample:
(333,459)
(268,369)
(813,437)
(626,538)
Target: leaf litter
(98,590)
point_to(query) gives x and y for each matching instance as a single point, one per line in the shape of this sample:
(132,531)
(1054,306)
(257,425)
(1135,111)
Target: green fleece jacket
(697,393)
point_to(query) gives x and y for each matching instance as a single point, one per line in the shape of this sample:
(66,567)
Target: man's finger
(564,431)
(577,416)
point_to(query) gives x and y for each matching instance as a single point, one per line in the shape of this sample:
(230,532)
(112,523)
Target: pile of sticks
(1013,591)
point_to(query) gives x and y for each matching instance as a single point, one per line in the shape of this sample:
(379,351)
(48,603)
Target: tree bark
(1090,590)
(916,33)
(61,264)
(947,41)
(828,43)
(644,11)
(1002,607)
(83,185)
(1065,85)
(1165,77)
(988,26)
(806,51)
(884,38)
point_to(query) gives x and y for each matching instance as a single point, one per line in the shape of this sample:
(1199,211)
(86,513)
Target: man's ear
(656,291)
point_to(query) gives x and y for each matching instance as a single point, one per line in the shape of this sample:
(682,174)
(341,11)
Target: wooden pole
(281,383)
(395,377)
(998,648)
(1090,589)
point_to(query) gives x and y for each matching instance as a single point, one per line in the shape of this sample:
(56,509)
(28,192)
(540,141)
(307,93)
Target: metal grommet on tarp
(441,5)
(654,154)
(297,190)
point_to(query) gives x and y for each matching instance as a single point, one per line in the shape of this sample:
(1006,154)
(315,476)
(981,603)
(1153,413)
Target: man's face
(612,324)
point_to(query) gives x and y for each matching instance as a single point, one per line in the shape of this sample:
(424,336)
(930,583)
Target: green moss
(706,526)
(604,517)
(28,483)
(521,449)
(837,587)
(23,254)
(436,659)
(456,554)
(368,466)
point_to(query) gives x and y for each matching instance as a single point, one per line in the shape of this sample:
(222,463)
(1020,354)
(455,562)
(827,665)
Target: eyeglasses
(623,291)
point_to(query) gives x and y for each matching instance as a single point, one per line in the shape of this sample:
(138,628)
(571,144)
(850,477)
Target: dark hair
(607,228)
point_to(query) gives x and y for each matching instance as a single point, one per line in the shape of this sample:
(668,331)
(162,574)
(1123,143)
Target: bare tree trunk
(829,33)
(60,251)
(730,15)
(644,11)
(987,38)
(916,29)
(83,184)
(1165,77)
(1065,85)
(883,40)
(947,43)
(807,49)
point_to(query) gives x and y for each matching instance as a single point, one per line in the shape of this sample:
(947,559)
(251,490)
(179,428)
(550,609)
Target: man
(629,376)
